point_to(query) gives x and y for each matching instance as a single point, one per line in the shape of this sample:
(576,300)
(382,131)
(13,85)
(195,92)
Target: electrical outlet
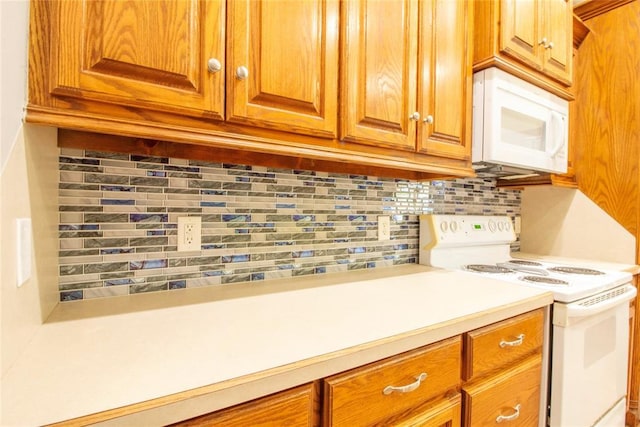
(517,225)
(189,233)
(384,227)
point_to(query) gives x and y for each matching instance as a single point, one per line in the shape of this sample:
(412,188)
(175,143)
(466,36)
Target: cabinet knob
(213,65)
(428,120)
(242,72)
(545,43)
(415,116)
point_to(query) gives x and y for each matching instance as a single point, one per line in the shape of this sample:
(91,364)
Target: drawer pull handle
(406,388)
(516,414)
(518,341)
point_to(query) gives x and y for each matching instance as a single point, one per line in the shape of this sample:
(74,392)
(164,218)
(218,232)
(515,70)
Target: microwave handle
(558,133)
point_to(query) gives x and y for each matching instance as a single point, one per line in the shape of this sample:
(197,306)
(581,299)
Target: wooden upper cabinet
(558,15)
(539,33)
(445,86)
(379,72)
(282,69)
(406,75)
(518,31)
(143,53)
(331,85)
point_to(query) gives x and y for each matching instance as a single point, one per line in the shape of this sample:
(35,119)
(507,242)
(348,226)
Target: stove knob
(492,226)
(444,226)
(501,226)
(507,225)
(453,226)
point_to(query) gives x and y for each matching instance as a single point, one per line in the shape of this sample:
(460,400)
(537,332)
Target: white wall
(564,222)
(14,18)
(28,189)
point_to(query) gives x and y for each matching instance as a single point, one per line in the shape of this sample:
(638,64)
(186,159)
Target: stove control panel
(465,230)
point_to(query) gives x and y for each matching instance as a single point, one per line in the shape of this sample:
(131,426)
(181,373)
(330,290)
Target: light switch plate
(189,233)
(384,227)
(23,250)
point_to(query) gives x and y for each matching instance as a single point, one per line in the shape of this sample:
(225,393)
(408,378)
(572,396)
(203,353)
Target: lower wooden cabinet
(294,407)
(392,390)
(503,369)
(443,414)
(512,395)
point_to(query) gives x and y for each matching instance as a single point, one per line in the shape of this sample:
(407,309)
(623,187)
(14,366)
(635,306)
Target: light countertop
(183,353)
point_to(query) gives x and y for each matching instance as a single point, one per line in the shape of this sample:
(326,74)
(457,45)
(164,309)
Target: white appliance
(518,128)
(586,353)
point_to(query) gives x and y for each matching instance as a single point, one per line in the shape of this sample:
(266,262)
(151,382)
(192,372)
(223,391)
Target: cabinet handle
(549,45)
(518,341)
(242,72)
(415,116)
(516,414)
(406,388)
(428,120)
(213,65)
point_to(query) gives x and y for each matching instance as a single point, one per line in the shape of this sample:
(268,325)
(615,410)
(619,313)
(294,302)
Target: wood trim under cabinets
(354,162)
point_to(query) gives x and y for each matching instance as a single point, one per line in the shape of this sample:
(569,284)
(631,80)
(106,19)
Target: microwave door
(520,132)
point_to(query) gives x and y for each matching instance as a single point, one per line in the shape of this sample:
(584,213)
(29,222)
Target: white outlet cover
(384,227)
(23,250)
(189,233)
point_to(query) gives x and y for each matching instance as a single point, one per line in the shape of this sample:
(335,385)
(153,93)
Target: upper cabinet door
(142,53)
(539,33)
(283,65)
(445,86)
(558,17)
(378,72)
(519,30)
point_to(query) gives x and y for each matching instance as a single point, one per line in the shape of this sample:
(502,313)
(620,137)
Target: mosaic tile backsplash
(119,214)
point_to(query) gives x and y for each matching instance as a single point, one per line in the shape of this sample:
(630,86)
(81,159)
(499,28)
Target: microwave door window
(522,131)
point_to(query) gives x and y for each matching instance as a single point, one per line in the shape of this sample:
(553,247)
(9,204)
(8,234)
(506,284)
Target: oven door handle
(592,305)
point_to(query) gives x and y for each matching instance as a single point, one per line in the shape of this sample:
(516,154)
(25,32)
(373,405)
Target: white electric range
(586,351)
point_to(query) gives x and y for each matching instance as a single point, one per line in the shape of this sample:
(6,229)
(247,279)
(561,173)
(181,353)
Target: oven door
(589,359)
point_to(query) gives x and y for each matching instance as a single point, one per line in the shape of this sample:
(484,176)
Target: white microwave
(518,128)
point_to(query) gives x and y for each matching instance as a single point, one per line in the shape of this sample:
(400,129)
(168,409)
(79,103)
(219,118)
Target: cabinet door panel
(378,72)
(145,53)
(446,83)
(558,18)
(290,49)
(448,413)
(513,393)
(519,30)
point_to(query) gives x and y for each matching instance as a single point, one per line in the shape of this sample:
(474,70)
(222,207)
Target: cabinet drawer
(293,407)
(497,345)
(362,396)
(446,413)
(513,395)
